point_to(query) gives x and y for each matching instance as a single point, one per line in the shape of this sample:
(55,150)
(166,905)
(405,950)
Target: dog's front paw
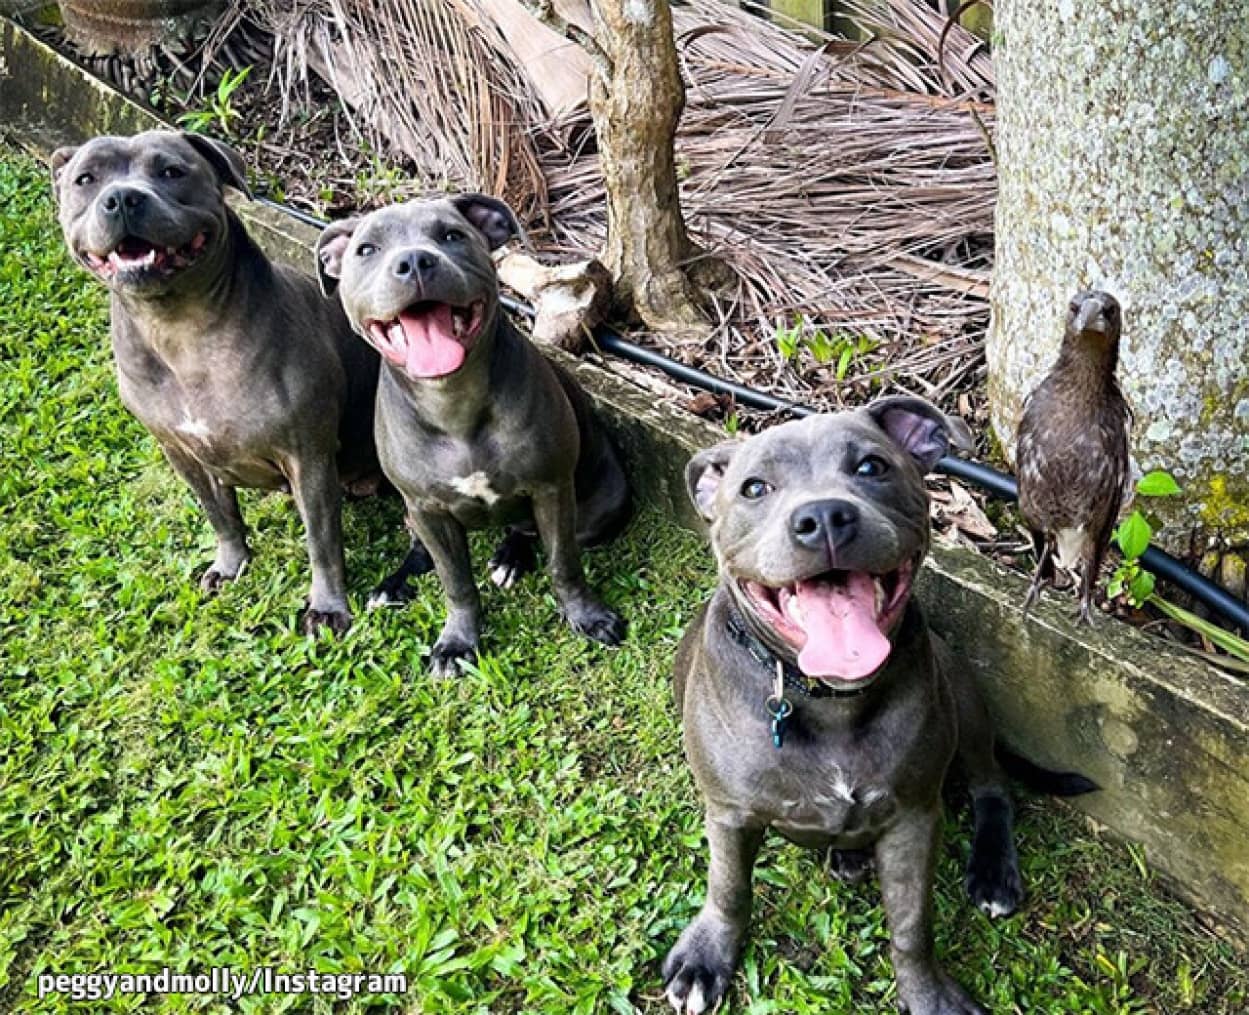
(937,994)
(213,581)
(513,558)
(338,621)
(993,883)
(598,622)
(448,655)
(230,562)
(220,573)
(700,967)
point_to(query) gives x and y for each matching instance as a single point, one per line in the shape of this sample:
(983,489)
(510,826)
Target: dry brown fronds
(423,80)
(848,183)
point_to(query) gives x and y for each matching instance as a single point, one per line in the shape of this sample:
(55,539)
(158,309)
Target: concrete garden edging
(1164,734)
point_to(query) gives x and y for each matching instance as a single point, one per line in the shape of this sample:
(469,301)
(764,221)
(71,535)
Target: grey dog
(243,372)
(474,425)
(813,698)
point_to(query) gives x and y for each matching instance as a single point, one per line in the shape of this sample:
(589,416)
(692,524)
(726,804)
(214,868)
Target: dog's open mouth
(428,339)
(838,621)
(135,259)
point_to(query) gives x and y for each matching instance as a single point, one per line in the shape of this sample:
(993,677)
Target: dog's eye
(366,250)
(872,467)
(84,179)
(753,489)
(173,172)
(453,236)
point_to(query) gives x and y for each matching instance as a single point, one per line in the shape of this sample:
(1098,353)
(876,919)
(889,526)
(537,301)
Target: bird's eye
(453,236)
(753,489)
(84,179)
(366,250)
(872,467)
(173,172)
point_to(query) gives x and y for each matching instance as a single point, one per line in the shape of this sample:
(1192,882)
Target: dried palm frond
(422,79)
(851,193)
(848,183)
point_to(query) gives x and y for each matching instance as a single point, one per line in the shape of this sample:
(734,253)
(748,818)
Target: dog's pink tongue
(432,348)
(842,637)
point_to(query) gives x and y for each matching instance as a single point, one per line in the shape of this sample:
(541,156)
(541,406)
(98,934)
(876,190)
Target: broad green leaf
(1133,535)
(1142,587)
(1158,483)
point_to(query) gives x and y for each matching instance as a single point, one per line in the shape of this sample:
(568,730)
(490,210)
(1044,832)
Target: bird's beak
(1090,317)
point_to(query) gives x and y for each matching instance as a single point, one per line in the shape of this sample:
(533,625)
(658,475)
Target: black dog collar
(795,679)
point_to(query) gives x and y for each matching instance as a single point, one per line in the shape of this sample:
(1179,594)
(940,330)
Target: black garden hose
(1001,485)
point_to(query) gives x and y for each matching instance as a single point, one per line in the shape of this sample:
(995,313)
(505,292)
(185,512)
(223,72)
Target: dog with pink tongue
(814,700)
(475,427)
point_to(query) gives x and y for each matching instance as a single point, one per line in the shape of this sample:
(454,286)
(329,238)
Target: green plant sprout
(1130,580)
(789,340)
(841,349)
(381,183)
(220,111)
(1133,536)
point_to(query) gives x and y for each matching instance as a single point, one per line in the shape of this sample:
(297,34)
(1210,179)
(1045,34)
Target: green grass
(196,784)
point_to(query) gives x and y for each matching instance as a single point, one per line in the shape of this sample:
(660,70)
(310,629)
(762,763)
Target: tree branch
(544,11)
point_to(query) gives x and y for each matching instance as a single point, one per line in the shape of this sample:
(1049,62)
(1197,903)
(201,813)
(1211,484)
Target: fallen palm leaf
(846,183)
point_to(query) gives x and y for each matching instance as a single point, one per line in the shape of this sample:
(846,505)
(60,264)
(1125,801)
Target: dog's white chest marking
(836,795)
(842,791)
(476,485)
(194,428)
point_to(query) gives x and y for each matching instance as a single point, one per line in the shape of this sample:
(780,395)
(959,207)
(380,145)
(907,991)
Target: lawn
(193,783)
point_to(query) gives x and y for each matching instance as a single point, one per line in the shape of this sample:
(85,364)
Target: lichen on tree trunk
(1123,146)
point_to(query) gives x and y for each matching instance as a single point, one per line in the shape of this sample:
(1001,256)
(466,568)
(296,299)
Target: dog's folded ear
(60,159)
(332,245)
(491,217)
(920,428)
(227,163)
(704,473)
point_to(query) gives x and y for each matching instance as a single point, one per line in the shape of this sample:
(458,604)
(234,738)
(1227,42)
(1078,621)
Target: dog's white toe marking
(380,599)
(475,485)
(995,909)
(696,1004)
(503,576)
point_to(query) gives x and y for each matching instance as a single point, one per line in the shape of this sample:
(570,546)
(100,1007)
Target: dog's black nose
(117,198)
(824,522)
(415,262)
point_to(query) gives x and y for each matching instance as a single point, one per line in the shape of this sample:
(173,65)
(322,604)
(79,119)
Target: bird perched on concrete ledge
(1072,452)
